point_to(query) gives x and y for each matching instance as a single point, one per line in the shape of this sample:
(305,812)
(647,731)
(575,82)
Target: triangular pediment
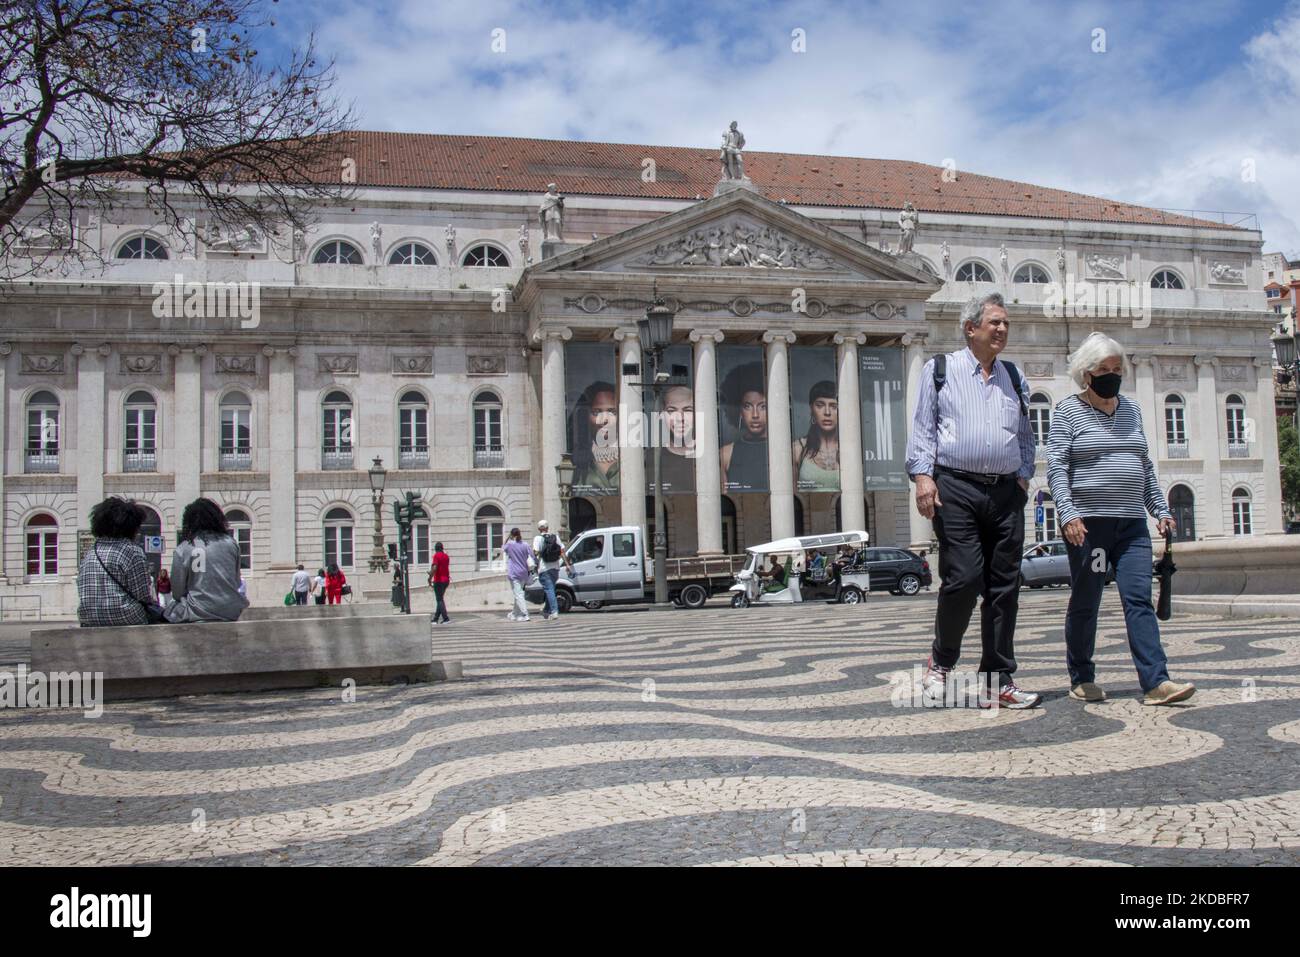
(737,233)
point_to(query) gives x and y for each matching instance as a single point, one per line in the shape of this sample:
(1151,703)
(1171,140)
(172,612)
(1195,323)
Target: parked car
(894,570)
(1293,528)
(1048,563)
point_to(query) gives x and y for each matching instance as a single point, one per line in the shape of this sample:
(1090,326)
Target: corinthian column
(552,339)
(91,425)
(853,510)
(708,470)
(780,467)
(631,461)
(281,457)
(1212,507)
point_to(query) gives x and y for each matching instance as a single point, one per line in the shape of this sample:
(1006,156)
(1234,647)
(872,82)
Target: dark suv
(894,570)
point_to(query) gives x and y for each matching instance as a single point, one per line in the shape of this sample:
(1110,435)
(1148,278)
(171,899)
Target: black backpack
(941,376)
(550,548)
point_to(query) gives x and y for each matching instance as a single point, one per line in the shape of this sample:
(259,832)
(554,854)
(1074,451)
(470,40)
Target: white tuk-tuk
(834,580)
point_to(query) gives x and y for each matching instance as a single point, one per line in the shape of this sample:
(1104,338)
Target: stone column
(6,349)
(91,426)
(780,467)
(281,456)
(552,339)
(1211,449)
(1266,436)
(188,430)
(920,528)
(1146,399)
(708,469)
(631,464)
(853,510)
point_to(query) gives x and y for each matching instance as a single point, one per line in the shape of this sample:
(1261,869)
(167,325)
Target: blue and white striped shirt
(1099,464)
(972,425)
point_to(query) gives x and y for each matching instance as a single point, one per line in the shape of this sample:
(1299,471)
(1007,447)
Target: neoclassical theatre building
(451,321)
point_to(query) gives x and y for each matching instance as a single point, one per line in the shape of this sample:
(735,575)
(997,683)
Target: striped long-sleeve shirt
(1098,464)
(972,424)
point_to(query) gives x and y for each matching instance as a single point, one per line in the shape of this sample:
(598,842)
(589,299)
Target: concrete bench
(309,612)
(158,661)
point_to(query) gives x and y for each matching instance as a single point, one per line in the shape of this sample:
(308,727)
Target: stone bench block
(148,661)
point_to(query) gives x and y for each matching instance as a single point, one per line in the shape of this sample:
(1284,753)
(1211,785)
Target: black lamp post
(655,331)
(378,474)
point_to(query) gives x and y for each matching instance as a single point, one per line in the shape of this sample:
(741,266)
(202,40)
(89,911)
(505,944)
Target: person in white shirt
(301,585)
(548,570)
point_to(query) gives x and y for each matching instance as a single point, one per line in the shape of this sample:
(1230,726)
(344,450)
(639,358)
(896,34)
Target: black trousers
(440,589)
(981,531)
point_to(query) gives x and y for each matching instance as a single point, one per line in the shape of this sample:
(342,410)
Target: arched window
(1166,279)
(1182,503)
(338,538)
(1241,523)
(1237,438)
(489,533)
(236,432)
(412,254)
(1031,273)
(489,452)
(974,272)
(420,538)
(142,247)
(140,426)
(42,547)
(241,527)
(412,431)
(43,432)
(336,431)
(1176,426)
(582,516)
(336,252)
(728,525)
(1040,419)
(484,255)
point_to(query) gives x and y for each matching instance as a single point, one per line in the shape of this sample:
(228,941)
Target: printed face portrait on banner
(884,431)
(742,419)
(591,408)
(815,419)
(678,427)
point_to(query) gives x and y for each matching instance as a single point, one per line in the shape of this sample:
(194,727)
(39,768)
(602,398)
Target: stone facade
(455,334)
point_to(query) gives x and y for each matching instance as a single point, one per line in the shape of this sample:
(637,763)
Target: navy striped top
(1099,465)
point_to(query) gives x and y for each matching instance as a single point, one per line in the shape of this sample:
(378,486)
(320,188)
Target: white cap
(543,524)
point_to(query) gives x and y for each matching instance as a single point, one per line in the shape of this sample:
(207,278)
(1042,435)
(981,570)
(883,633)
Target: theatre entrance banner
(883,395)
(815,418)
(742,418)
(591,406)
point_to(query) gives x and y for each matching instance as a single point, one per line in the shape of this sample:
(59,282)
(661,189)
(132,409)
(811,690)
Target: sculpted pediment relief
(741,243)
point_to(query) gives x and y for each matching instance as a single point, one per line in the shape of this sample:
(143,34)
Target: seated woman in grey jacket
(205,567)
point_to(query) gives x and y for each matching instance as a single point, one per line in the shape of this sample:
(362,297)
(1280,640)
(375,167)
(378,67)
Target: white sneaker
(525,618)
(512,617)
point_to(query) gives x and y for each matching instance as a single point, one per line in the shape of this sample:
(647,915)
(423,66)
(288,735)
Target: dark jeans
(548,578)
(300,597)
(440,589)
(1126,544)
(981,531)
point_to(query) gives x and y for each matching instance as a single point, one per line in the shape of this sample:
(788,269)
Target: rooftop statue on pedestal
(907,222)
(551,215)
(732,161)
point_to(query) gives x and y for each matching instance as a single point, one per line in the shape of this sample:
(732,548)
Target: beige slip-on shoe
(1167,692)
(1087,691)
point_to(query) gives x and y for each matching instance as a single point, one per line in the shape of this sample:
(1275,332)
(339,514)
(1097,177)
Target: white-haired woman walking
(1104,485)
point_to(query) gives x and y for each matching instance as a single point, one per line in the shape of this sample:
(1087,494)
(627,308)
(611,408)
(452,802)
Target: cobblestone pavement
(717,737)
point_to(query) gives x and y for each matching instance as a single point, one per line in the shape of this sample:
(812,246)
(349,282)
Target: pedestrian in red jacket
(334,582)
(440,578)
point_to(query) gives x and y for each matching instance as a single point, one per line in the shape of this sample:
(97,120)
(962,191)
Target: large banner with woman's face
(678,426)
(815,418)
(591,414)
(884,430)
(742,418)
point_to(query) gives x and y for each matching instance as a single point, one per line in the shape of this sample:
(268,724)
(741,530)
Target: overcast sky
(1192,105)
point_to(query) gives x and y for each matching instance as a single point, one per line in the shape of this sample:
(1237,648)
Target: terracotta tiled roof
(513,164)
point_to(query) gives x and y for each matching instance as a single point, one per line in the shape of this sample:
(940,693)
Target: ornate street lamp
(655,331)
(564,478)
(378,474)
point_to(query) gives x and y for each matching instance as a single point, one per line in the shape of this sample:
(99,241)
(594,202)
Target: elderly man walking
(971,455)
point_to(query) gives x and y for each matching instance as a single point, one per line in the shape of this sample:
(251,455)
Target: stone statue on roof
(551,215)
(733,162)
(907,222)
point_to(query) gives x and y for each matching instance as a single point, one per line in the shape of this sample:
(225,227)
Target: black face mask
(1106,386)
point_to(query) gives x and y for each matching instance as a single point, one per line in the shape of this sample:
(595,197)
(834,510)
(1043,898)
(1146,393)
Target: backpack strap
(1019,386)
(940,371)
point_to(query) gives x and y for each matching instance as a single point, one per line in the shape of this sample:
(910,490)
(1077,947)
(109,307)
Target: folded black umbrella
(1165,568)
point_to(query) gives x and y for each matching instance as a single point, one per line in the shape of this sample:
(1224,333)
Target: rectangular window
(1175,430)
(624,545)
(43,431)
(1236,426)
(338,428)
(338,546)
(487,428)
(421,545)
(42,554)
(1241,518)
(487,541)
(140,430)
(244,539)
(236,436)
(1040,423)
(415,429)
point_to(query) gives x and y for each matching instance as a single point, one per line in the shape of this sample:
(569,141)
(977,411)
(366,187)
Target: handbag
(345,590)
(153,612)
(290,598)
